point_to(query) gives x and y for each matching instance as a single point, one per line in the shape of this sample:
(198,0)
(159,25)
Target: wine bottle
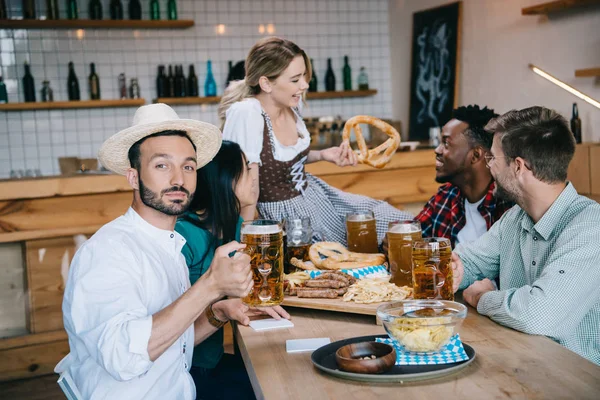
(73,84)
(347,73)
(210,86)
(229,73)
(94,83)
(192,82)
(28,9)
(3,93)
(576,124)
(171,81)
(172,10)
(180,83)
(135,9)
(312,85)
(28,85)
(3,15)
(363,80)
(161,81)
(95,9)
(154,10)
(116,9)
(72,9)
(329,77)
(51,9)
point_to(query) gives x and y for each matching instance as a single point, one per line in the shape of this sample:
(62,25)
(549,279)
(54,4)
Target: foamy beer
(432,269)
(401,236)
(264,245)
(361,232)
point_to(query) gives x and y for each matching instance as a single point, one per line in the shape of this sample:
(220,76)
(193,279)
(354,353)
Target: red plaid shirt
(444,214)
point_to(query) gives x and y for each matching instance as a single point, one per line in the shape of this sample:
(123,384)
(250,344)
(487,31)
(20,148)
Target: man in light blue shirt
(545,249)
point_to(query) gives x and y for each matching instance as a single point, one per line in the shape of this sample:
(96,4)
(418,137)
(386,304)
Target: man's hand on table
(458,271)
(473,293)
(235,310)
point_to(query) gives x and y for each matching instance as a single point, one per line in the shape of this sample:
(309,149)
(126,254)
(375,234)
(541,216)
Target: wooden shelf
(554,6)
(309,96)
(93,24)
(58,105)
(587,72)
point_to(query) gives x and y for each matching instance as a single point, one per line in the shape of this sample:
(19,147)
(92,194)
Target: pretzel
(334,256)
(370,157)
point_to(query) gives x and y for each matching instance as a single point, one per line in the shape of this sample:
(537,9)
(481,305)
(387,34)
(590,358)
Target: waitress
(262,114)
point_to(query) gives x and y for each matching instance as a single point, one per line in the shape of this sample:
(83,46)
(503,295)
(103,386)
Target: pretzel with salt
(334,256)
(380,155)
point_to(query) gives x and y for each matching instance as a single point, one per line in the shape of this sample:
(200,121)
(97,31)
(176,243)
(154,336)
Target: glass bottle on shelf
(192,82)
(52,9)
(3,14)
(122,86)
(180,84)
(28,85)
(161,81)
(3,93)
(210,86)
(312,85)
(73,84)
(72,9)
(329,77)
(154,10)
(134,89)
(229,73)
(576,124)
(47,93)
(172,10)
(347,73)
(95,9)
(28,9)
(363,79)
(135,9)
(94,83)
(116,9)
(171,83)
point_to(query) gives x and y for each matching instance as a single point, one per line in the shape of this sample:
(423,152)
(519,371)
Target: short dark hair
(134,150)
(541,137)
(476,118)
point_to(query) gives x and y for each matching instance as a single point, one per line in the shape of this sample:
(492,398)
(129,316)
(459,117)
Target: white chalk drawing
(434,71)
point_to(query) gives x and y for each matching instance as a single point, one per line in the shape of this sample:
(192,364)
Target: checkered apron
(326,206)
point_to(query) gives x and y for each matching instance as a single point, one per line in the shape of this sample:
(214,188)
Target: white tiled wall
(323,28)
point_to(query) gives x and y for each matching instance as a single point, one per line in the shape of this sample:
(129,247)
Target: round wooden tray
(324,359)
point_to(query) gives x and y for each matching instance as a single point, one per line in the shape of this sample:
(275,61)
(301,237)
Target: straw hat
(155,118)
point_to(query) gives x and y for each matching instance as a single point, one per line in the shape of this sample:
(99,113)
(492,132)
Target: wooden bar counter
(40,217)
(508,364)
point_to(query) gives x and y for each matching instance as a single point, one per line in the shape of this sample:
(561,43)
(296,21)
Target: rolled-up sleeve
(245,125)
(104,307)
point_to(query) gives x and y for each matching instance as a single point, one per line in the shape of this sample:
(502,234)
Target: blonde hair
(269,57)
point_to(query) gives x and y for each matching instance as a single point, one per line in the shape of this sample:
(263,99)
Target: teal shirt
(549,272)
(208,353)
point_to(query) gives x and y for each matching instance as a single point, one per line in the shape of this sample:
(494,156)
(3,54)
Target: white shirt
(475,225)
(244,124)
(118,279)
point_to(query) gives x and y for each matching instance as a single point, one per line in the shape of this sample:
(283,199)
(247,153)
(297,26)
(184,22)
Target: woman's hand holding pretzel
(340,156)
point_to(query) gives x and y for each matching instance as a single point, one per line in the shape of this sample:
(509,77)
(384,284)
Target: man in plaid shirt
(465,207)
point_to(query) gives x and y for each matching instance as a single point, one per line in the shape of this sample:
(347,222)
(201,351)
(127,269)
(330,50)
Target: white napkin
(270,323)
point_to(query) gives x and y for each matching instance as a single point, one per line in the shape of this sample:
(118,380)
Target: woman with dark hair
(226,194)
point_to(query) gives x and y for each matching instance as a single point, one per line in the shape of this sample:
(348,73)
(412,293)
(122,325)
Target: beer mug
(401,236)
(299,239)
(361,232)
(432,269)
(264,245)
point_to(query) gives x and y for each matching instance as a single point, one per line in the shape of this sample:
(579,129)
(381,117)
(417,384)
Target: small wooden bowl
(349,357)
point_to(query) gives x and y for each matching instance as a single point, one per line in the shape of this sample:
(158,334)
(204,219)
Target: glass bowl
(423,326)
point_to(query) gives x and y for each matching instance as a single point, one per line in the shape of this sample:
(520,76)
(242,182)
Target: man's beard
(501,192)
(152,200)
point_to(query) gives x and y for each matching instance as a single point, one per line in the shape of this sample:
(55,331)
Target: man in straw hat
(129,311)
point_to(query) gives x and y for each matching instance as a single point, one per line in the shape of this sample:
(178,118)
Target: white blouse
(244,124)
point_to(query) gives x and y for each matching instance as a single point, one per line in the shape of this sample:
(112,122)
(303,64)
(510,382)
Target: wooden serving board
(338,305)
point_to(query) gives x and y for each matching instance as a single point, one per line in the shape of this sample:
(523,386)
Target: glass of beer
(361,232)
(401,236)
(299,239)
(264,245)
(432,269)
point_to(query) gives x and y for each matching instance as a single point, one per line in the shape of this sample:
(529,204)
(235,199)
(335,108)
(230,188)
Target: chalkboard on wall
(434,68)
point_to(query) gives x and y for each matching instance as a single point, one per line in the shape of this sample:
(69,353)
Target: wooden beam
(554,6)
(589,72)
(60,105)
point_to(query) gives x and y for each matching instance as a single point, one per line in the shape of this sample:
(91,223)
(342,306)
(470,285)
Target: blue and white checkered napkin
(451,353)
(358,273)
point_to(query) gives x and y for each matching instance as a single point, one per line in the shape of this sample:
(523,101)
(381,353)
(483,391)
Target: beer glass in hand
(264,245)
(401,235)
(432,269)
(361,232)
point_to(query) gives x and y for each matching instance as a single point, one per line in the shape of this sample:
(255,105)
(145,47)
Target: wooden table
(509,364)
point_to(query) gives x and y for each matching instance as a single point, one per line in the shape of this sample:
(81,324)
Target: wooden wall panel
(13,290)
(579,169)
(45,281)
(595,170)
(31,360)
